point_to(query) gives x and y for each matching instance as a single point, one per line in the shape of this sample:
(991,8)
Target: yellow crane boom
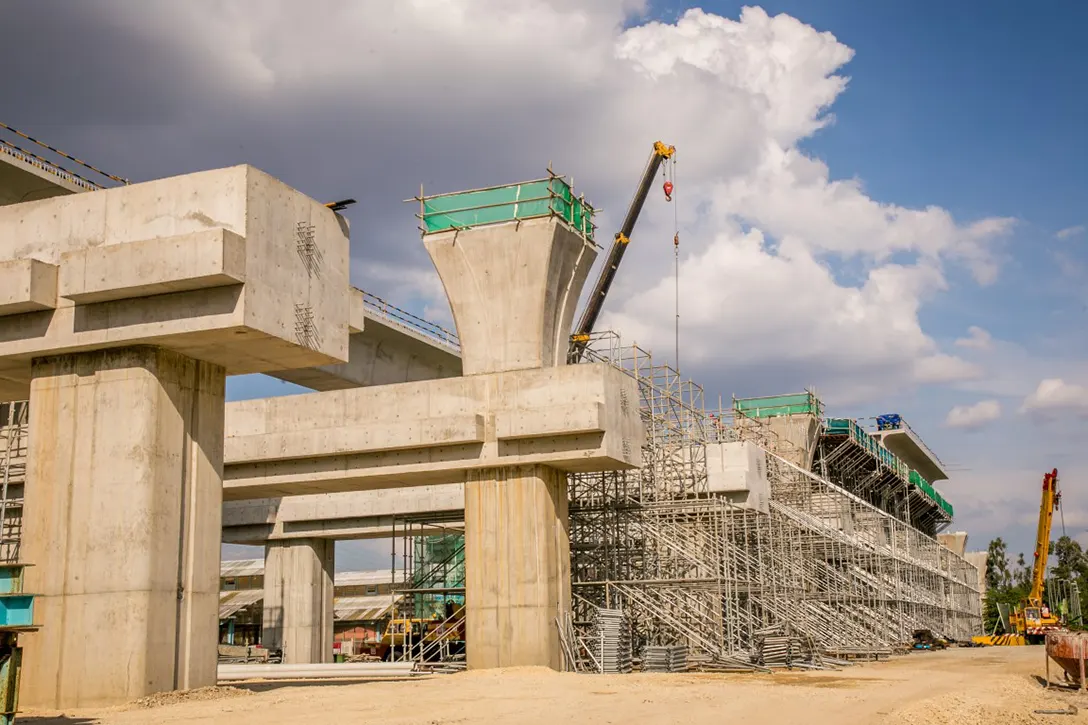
(1050,502)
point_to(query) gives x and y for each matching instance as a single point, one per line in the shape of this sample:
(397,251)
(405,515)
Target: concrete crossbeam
(354,515)
(349,442)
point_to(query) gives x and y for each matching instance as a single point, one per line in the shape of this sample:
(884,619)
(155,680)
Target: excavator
(1032,619)
(580,339)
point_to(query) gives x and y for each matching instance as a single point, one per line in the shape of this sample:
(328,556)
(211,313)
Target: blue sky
(961,124)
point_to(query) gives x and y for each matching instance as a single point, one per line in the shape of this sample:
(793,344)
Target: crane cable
(670,187)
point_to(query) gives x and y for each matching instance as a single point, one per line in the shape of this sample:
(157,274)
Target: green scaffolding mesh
(525,200)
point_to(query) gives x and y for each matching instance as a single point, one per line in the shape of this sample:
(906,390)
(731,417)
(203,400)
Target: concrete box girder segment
(23,178)
(138,301)
(382,351)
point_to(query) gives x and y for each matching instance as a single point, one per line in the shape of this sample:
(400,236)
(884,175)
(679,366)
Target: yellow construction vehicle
(1032,619)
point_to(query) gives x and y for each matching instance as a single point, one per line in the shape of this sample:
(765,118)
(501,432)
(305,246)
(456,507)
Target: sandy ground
(958,686)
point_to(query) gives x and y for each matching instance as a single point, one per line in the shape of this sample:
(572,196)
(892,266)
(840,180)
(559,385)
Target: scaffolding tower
(689,567)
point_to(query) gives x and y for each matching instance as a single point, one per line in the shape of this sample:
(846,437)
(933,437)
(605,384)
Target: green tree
(1021,576)
(997,565)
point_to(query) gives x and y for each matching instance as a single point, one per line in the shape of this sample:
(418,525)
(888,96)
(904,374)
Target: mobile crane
(1032,619)
(580,338)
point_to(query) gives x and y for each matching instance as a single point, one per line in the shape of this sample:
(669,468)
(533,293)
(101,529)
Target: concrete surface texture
(517,566)
(575,418)
(994,686)
(228,266)
(124,311)
(298,599)
(350,515)
(121,525)
(513,289)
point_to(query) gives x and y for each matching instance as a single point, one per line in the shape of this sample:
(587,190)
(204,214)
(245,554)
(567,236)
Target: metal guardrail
(47,166)
(58,152)
(402,318)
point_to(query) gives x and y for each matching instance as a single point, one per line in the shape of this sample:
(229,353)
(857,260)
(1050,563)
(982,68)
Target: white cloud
(1054,395)
(1070,232)
(459,93)
(973,416)
(977,339)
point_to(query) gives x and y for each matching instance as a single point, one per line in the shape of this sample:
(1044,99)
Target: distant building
(364,602)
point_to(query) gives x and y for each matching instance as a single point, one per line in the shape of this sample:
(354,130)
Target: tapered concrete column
(122,522)
(298,594)
(517,565)
(513,289)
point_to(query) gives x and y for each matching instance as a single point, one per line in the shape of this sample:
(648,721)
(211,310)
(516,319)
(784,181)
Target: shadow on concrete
(268,686)
(54,720)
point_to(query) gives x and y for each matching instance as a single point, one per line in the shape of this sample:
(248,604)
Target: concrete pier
(517,566)
(124,309)
(513,289)
(122,525)
(298,598)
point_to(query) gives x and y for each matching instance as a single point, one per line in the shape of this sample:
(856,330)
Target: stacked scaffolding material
(613,639)
(665,658)
(689,567)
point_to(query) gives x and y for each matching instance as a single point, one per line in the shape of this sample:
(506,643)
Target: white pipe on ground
(324,671)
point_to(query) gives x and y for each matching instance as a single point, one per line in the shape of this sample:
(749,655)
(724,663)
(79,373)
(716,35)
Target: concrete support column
(122,521)
(517,565)
(298,594)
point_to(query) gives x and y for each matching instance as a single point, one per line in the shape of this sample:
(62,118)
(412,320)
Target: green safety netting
(525,200)
(848,426)
(776,405)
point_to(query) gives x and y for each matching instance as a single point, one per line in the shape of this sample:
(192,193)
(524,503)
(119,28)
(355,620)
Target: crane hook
(668,190)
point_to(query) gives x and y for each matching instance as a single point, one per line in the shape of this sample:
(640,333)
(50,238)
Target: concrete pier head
(124,310)
(126,460)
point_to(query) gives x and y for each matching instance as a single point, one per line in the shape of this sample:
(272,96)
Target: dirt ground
(957,686)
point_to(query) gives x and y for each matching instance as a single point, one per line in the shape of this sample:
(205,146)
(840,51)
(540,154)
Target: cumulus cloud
(370,99)
(1070,232)
(973,416)
(1055,395)
(977,339)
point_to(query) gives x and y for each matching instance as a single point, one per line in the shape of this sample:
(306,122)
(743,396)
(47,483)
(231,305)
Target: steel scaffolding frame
(688,567)
(14,424)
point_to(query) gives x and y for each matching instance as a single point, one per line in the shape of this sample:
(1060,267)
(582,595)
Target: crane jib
(619,245)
